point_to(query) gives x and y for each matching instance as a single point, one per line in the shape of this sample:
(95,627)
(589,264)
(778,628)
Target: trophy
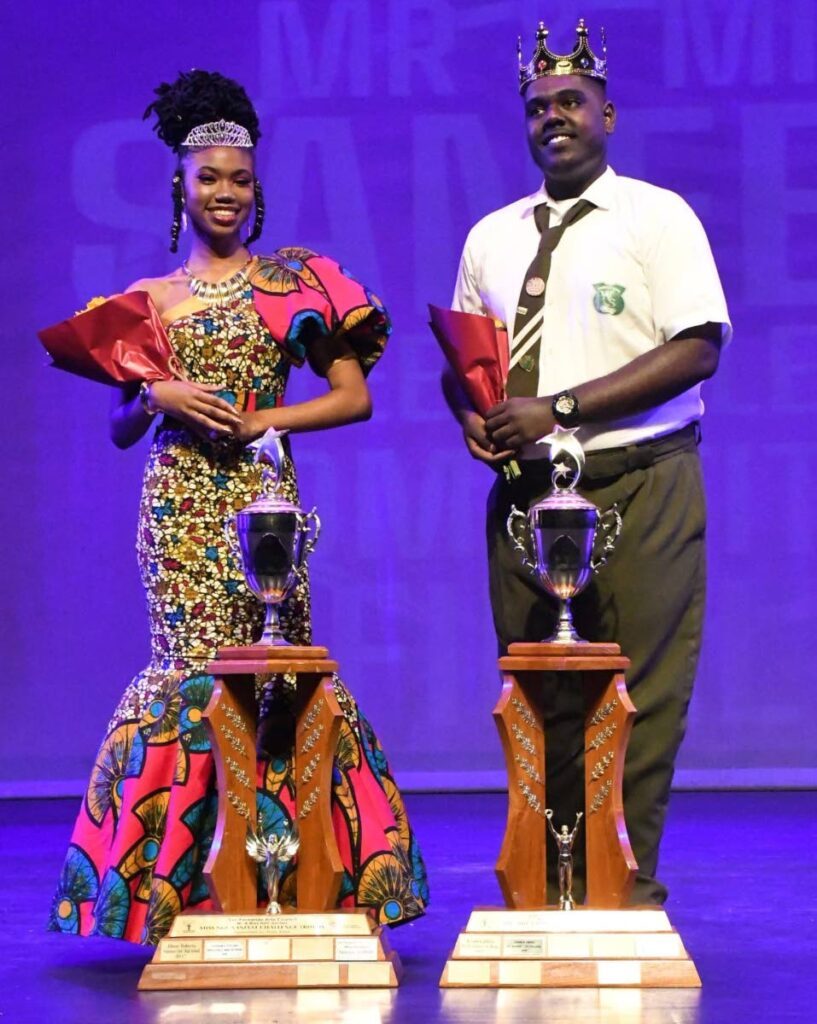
(271,539)
(563,527)
(274,853)
(564,841)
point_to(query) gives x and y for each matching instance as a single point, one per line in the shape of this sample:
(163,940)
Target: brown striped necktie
(523,376)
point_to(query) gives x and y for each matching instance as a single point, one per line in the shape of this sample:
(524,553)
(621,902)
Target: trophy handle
(312,527)
(310,524)
(611,524)
(231,536)
(514,517)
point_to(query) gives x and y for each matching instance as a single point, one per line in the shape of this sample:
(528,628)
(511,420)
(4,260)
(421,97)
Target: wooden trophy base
(581,948)
(290,950)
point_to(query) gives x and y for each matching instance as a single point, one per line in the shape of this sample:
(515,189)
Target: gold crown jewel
(545,63)
(219,133)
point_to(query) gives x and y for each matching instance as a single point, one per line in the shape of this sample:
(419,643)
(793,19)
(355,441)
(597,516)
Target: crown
(219,133)
(545,63)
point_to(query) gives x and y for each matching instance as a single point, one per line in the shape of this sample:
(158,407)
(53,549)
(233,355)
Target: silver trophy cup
(557,536)
(271,539)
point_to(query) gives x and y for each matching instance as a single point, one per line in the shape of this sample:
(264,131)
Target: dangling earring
(179,216)
(258,223)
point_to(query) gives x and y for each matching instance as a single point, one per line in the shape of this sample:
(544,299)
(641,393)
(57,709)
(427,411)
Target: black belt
(606,463)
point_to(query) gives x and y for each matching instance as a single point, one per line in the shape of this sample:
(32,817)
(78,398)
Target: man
(615,315)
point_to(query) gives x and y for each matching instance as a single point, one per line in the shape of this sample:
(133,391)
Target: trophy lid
(563,498)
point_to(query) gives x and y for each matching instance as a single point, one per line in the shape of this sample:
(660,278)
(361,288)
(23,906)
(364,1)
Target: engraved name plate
(525,946)
(579,920)
(268,949)
(180,951)
(356,949)
(487,947)
(225,949)
(195,925)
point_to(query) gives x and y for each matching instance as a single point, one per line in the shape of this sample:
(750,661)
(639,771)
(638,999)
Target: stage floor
(743,884)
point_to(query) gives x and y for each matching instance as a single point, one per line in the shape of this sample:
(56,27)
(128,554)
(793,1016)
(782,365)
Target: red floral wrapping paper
(477,350)
(120,340)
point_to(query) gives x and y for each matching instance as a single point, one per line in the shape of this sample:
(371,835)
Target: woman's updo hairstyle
(194,99)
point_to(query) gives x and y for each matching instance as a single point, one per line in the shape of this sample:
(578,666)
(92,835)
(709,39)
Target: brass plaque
(356,949)
(268,949)
(180,951)
(225,949)
(261,924)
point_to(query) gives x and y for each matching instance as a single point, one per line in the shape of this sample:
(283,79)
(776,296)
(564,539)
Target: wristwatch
(565,408)
(144,398)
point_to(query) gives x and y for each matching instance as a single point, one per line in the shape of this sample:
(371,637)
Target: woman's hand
(251,426)
(197,407)
(346,401)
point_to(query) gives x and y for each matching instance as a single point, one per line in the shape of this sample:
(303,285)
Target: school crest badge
(608,298)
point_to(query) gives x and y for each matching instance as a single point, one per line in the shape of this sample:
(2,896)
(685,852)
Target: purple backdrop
(389,127)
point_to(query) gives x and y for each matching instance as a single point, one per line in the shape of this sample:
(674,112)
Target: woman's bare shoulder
(163,290)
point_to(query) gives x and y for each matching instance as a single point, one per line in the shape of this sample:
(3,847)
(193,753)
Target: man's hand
(519,421)
(477,441)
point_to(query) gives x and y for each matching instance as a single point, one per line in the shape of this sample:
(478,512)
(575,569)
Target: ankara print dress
(147,819)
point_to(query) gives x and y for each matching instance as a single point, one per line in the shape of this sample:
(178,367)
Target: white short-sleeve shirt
(624,279)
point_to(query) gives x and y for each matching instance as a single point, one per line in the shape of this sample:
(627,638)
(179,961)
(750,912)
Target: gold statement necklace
(218,293)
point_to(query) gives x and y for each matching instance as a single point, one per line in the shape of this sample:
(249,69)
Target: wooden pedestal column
(230,718)
(240,946)
(522,865)
(601,943)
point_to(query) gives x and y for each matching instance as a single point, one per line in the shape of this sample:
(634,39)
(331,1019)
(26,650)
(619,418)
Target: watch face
(565,405)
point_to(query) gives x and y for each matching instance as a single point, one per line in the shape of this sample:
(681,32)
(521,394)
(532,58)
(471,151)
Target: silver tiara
(219,133)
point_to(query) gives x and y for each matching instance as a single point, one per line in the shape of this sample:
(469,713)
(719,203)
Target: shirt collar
(600,193)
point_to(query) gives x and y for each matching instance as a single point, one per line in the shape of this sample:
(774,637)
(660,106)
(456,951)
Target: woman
(238,324)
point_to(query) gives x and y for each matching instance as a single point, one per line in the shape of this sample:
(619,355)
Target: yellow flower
(98,300)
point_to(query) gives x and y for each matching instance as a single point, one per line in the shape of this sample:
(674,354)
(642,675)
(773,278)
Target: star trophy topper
(561,531)
(546,63)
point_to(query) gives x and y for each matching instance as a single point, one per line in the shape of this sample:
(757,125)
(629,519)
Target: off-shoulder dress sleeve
(304,297)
